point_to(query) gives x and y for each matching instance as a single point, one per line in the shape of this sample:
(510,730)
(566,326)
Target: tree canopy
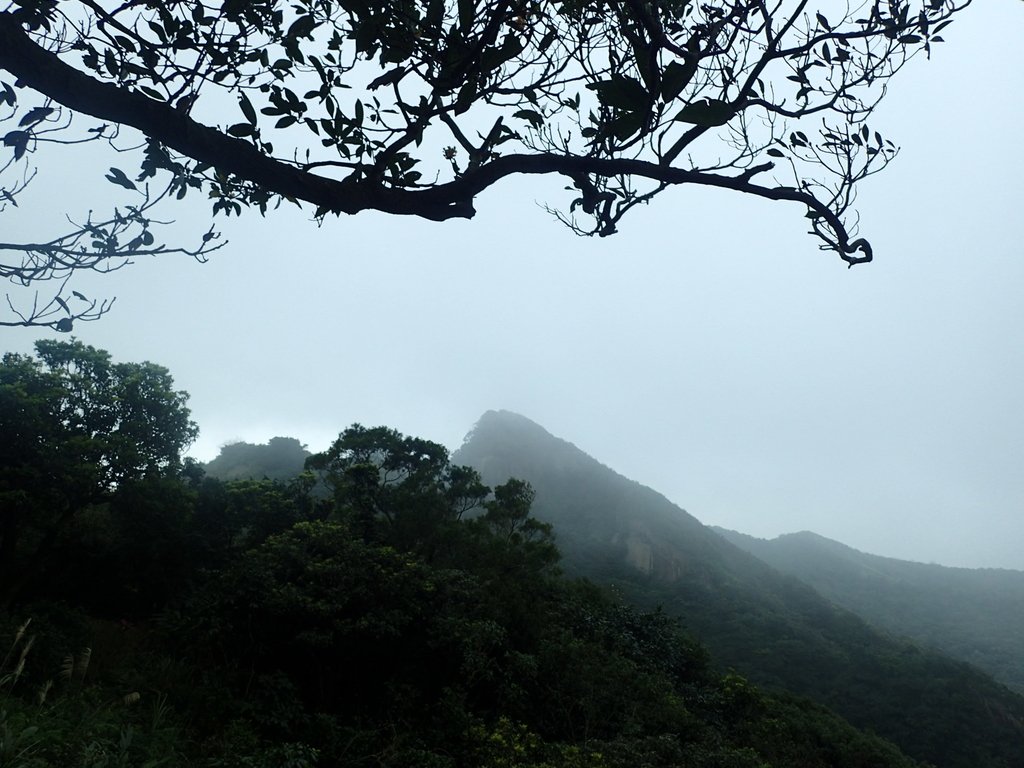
(280,458)
(76,426)
(417,107)
(410,617)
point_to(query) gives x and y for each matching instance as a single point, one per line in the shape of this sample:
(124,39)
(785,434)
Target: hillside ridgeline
(976,615)
(753,618)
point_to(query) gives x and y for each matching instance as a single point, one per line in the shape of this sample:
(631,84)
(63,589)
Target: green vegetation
(280,458)
(772,628)
(405,616)
(973,615)
(76,427)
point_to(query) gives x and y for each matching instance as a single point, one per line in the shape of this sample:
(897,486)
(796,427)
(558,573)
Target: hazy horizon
(709,350)
(453,448)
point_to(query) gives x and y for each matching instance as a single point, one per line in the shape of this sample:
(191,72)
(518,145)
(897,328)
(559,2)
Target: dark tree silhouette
(417,107)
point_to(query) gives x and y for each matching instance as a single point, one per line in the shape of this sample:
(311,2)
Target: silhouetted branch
(624,98)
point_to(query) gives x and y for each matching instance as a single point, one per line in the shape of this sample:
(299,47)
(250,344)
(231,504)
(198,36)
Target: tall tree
(416,107)
(397,488)
(75,427)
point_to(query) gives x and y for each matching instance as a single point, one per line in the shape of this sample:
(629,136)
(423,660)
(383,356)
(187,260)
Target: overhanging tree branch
(47,73)
(625,98)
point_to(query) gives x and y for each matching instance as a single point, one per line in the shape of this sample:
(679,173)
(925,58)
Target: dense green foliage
(280,458)
(974,615)
(769,626)
(75,428)
(409,617)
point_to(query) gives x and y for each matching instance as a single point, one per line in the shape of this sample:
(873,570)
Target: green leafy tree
(232,517)
(280,458)
(416,107)
(397,488)
(76,427)
(127,556)
(511,545)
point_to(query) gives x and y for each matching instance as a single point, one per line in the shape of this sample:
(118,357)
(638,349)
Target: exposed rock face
(642,551)
(640,554)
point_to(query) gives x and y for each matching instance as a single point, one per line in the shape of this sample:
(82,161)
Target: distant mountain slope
(767,625)
(972,614)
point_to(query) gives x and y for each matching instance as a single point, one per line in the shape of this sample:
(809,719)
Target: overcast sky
(709,350)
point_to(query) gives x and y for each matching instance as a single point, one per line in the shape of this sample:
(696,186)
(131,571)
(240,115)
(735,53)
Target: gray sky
(709,350)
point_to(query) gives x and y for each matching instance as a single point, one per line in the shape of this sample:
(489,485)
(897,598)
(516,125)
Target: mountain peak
(598,514)
(520,447)
(505,421)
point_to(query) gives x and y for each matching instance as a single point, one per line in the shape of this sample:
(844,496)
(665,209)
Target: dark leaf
(495,57)
(707,112)
(16,138)
(241,129)
(388,78)
(626,124)
(126,43)
(622,93)
(35,115)
(547,40)
(247,108)
(117,176)
(301,27)
(536,118)
(158,30)
(675,77)
(153,93)
(110,62)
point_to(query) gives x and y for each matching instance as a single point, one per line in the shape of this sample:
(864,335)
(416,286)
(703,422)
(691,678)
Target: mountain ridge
(975,614)
(813,536)
(768,625)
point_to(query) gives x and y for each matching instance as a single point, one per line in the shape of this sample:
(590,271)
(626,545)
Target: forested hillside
(411,616)
(767,625)
(972,614)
